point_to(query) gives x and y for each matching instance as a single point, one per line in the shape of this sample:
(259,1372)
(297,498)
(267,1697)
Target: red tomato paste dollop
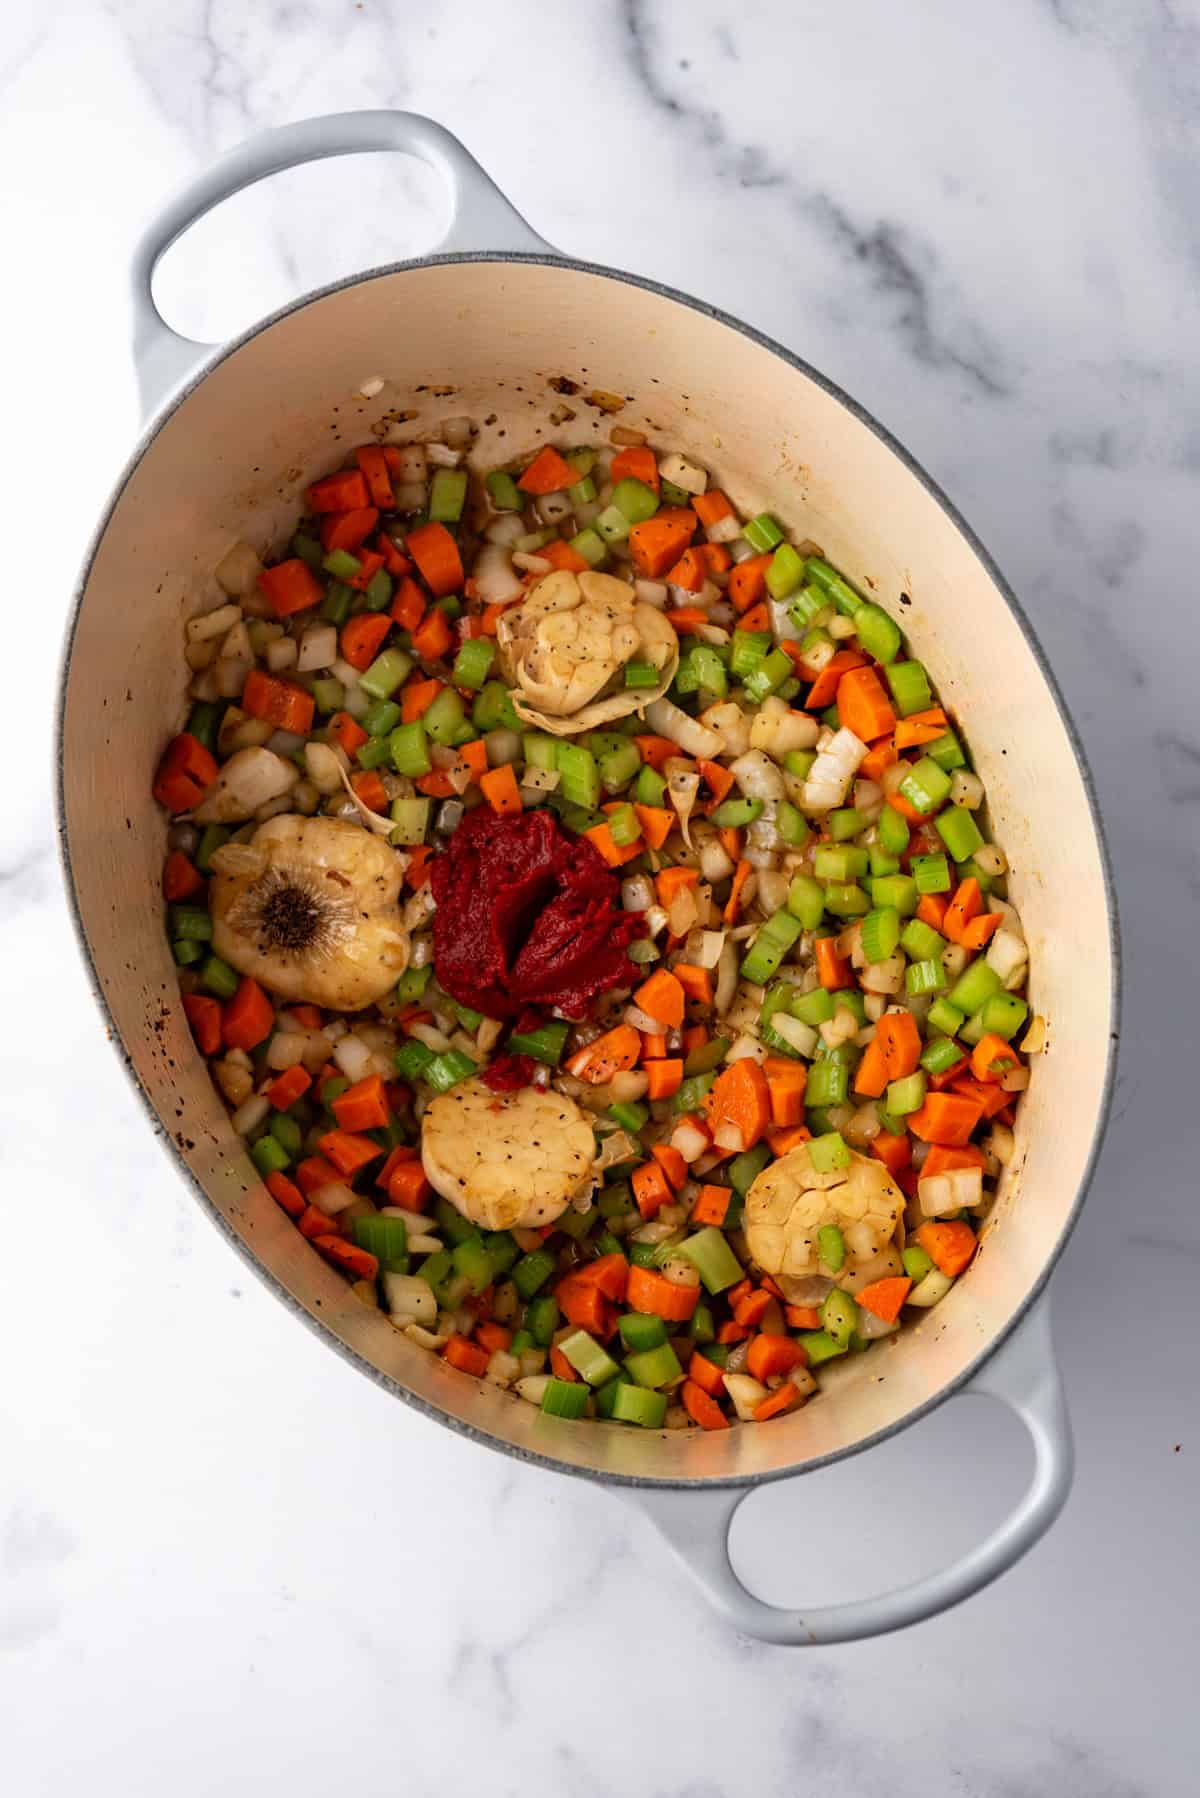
(527,915)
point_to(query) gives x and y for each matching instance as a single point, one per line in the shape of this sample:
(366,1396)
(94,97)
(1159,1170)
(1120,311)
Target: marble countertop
(225,1560)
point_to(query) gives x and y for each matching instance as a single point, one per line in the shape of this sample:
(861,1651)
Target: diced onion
(747,1394)
(943,1195)
(442,456)
(496,580)
(531,564)
(409,1299)
(505,529)
(690,1140)
(249,1116)
(966,789)
(651,593)
(667,720)
(637,893)
(1008,956)
(796,1034)
(682,473)
(503,747)
(703,948)
(238,570)
(641,1020)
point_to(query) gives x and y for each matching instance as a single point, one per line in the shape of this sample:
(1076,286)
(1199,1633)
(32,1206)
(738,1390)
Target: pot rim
(166,410)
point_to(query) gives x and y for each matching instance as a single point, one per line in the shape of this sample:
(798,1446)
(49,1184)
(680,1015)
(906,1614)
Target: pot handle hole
(1023,1373)
(482,219)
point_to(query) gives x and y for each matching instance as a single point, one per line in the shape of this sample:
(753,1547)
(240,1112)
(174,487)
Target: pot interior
(535,352)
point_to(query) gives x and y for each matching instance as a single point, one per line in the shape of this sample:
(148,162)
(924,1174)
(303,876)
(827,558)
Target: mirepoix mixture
(584,905)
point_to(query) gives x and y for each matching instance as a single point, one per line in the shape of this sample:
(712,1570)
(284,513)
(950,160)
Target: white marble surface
(225,1560)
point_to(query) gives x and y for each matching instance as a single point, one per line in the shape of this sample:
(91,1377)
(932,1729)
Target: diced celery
(638,1405)
(505,495)
(564,1398)
(806,901)
(959,831)
(654,1367)
(878,633)
(473,663)
(828,1084)
(762,533)
(785,573)
(590,1361)
(580,779)
(444,717)
(925,786)
(1003,1014)
(910,687)
(974,987)
(880,933)
(892,831)
(904,1096)
(831,1247)
(410,749)
(946,1017)
(834,586)
(410,818)
(447,494)
(634,500)
(931,873)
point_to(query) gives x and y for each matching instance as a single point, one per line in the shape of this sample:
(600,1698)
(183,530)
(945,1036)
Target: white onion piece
(641,1020)
(637,893)
(727,1136)
(286,1049)
(352,1056)
(442,456)
(651,593)
(884,976)
(796,1034)
(757,775)
(683,912)
(213,624)
(503,747)
(690,1140)
(727,979)
(531,564)
(777,728)
(411,464)
(772,888)
(666,720)
(966,789)
(703,948)
(457,432)
(746,1048)
(505,529)
(410,496)
(281,655)
(747,1393)
(238,570)
(730,723)
(682,473)
(942,1195)
(249,1116)
(1007,955)
(533,1388)
(830,776)
(248,780)
(715,864)
(726,530)
(496,580)
(840,627)
(324,766)
(318,648)
(409,1299)
(1015,1080)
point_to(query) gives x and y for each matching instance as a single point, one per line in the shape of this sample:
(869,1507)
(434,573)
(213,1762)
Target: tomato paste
(527,915)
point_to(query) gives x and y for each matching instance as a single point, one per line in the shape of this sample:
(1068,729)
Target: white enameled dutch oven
(495,317)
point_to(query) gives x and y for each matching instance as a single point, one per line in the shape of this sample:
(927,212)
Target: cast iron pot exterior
(491,322)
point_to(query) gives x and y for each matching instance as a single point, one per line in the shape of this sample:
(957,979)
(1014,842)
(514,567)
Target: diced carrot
(314,1172)
(871,1074)
(465,1355)
(702,1408)
(802,1317)
(248,1018)
(286,1194)
(416,697)
(945,1118)
(690,572)
(908,812)
(185,773)
(931,909)
(742,1290)
(613,1053)
(560,1366)
(348,530)
(941,1160)
(433,637)
(409,1186)
(348,1153)
(706,1374)
(204,1016)
(884,1298)
(710,507)
(878,759)
(609,1274)
(636,462)
(492,1337)
(748,582)
(315,1222)
(687,620)
(758,618)
(863,705)
(600,836)
(784,1398)
(979,932)
(740,1099)
(362,1106)
(654,1048)
(895,1152)
(750,1311)
(786,1081)
(824,689)
(694,1037)
(654,751)
(657,824)
(362,638)
(670,882)
(731,842)
(583,1305)
(662,998)
(712,1206)
(783,1141)
(291,1085)
(348,1256)
(991,1057)
(651,1188)
(729,1332)
(501,791)
(657,543)
(475,756)
(990,1098)
(369,787)
(653,1293)
(921,727)
(290,586)
(548,473)
(833,970)
(417,874)
(949,1245)
(741,875)
(436,555)
(180,879)
(278,702)
(769,1355)
(664,1078)
(900,1039)
(491,615)
(338,492)
(672,1164)
(717,558)
(719,781)
(563,558)
(346,732)
(697,983)
(408,605)
(399,1156)
(369,563)
(393,561)
(965,905)
(375,472)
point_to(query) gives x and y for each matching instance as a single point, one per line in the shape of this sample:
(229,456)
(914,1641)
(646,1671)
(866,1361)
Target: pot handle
(482,218)
(1024,1374)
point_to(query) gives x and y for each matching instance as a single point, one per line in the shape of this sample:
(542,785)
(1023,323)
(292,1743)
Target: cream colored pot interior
(490,339)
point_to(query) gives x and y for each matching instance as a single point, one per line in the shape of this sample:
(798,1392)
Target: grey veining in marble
(226,1561)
